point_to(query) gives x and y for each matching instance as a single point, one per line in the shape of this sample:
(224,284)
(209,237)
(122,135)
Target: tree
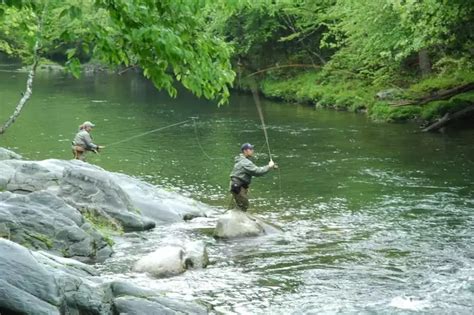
(167,39)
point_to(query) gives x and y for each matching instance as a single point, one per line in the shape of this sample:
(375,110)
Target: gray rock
(32,176)
(92,190)
(20,269)
(132,203)
(53,286)
(133,300)
(138,306)
(6,173)
(172,260)
(41,283)
(41,220)
(158,204)
(389,94)
(164,262)
(6,154)
(15,300)
(236,223)
(195,255)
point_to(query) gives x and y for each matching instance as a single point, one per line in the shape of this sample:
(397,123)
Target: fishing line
(200,145)
(148,132)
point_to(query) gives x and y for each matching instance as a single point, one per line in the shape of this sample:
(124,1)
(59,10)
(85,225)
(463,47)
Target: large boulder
(41,220)
(40,283)
(130,202)
(158,204)
(172,260)
(37,284)
(6,174)
(96,191)
(6,154)
(29,176)
(236,223)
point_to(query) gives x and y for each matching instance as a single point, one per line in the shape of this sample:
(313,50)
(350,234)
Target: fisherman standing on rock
(241,175)
(83,142)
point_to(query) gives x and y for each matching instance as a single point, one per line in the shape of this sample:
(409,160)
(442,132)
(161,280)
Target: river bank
(383,104)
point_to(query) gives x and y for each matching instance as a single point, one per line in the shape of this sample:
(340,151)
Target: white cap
(88,124)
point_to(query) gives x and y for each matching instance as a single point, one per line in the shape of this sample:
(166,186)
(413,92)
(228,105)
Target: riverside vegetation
(395,60)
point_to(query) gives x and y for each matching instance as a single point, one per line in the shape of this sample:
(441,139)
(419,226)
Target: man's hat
(88,124)
(246,146)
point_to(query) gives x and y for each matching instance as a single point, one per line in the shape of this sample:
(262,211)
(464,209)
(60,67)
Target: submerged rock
(41,220)
(236,223)
(40,283)
(172,260)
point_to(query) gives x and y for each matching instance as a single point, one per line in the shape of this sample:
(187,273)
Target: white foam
(408,303)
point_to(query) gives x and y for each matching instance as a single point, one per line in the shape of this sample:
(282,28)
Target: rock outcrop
(39,283)
(6,154)
(41,220)
(65,208)
(172,260)
(132,203)
(236,223)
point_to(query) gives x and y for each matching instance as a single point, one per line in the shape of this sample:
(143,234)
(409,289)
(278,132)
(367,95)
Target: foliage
(416,47)
(358,47)
(167,39)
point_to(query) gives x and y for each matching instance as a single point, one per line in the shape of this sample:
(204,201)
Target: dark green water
(377,218)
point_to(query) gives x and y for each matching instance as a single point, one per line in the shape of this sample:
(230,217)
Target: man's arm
(88,141)
(254,170)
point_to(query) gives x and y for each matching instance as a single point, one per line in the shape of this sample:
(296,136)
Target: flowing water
(376,218)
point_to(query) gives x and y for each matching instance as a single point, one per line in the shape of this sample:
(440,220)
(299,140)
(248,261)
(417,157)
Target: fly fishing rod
(256,98)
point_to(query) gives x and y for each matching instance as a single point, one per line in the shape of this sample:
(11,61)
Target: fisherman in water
(242,173)
(83,142)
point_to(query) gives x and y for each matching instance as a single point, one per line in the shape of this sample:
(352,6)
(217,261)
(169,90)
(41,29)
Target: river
(377,218)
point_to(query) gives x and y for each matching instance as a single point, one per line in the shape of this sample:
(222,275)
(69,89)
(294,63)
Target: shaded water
(377,218)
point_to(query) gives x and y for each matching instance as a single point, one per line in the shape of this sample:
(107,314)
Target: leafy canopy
(168,39)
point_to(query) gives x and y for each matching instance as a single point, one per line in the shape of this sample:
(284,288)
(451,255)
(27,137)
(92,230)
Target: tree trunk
(448,118)
(424,62)
(436,96)
(26,95)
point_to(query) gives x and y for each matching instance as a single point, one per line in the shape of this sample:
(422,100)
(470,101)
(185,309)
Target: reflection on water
(376,218)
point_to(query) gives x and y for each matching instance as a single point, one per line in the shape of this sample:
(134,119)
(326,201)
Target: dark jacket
(244,169)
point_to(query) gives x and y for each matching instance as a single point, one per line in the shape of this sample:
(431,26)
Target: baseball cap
(88,123)
(246,146)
